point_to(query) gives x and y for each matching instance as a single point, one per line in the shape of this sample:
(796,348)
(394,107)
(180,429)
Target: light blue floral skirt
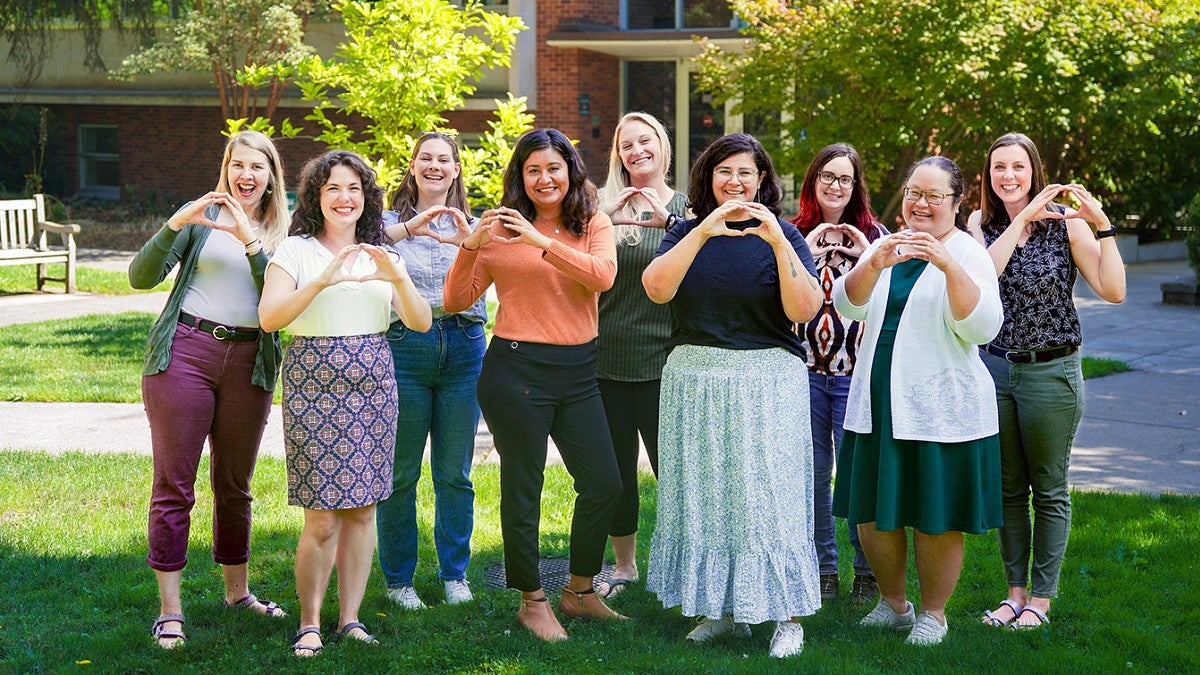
(735,487)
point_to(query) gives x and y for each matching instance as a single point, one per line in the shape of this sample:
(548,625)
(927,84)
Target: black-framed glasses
(932,197)
(827,177)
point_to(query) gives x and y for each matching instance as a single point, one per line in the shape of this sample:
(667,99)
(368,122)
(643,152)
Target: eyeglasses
(932,197)
(744,175)
(827,177)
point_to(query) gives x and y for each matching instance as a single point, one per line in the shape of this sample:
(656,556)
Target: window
(677,14)
(98,162)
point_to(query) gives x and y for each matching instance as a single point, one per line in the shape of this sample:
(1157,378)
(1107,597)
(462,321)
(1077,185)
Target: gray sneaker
(712,628)
(883,616)
(406,597)
(787,641)
(927,630)
(457,591)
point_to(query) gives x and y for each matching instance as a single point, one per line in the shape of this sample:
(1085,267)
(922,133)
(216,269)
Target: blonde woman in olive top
(635,333)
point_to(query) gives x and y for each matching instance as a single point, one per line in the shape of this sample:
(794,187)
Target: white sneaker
(883,616)
(458,591)
(406,597)
(927,630)
(711,628)
(788,639)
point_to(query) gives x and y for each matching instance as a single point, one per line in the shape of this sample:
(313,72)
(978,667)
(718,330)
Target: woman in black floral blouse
(1038,246)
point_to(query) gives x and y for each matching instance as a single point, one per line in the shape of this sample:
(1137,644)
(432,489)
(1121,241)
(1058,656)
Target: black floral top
(1035,289)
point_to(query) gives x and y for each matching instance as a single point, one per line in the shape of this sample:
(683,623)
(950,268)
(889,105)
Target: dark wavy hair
(308,220)
(578,205)
(957,184)
(858,209)
(993,217)
(406,196)
(701,199)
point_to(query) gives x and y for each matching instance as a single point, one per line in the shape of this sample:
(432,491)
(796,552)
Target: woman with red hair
(836,220)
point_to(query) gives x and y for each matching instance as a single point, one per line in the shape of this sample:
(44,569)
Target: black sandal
(344,633)
(312,650)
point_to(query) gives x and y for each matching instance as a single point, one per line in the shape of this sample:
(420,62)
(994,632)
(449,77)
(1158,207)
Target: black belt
(220,332)
(1032,355)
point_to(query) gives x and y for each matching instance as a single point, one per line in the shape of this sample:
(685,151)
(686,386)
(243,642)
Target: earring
(268,191)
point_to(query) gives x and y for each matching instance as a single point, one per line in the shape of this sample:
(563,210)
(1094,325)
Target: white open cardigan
(941,391)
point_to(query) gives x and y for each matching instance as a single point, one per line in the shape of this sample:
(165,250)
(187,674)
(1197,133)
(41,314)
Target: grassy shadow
(72,571)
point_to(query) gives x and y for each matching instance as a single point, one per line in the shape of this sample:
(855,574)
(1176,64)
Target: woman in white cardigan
(921,449)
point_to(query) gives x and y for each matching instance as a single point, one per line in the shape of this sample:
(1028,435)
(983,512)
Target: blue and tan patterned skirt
(734,533)
(339,421)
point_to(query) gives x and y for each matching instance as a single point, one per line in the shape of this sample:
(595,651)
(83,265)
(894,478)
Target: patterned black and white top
(1035,289)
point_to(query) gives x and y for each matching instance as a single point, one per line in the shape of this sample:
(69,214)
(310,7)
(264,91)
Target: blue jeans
(827,405)
(436,374)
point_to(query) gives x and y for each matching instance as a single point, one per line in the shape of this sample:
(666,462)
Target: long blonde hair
(272,213)
(618,175)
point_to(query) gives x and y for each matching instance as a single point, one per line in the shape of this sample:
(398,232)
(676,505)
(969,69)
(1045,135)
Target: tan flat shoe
(539,619)
(586,605)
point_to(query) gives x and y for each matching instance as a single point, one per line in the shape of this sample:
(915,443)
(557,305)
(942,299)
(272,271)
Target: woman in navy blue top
(733,541)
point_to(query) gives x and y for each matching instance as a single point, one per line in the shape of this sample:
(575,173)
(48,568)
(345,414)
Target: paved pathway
(1140,430)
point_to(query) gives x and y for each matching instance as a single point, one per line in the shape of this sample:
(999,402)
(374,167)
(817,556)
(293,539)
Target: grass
(23,279)
(1094,367)
(98,359)
(77,592)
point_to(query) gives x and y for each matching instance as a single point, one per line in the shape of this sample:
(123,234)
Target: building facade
(581,65)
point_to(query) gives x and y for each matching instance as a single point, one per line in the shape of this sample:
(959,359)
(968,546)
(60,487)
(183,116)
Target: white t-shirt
(348,308)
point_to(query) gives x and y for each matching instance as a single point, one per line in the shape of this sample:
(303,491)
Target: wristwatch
(1110,232)
(671,220)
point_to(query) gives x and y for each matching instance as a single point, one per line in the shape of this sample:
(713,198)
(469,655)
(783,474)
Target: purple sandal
(158,632)
(990,618)
(273,609)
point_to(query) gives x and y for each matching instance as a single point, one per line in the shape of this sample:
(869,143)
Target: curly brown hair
(308,220)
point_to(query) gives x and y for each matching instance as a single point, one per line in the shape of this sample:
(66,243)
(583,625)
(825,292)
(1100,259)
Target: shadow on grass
(76,588)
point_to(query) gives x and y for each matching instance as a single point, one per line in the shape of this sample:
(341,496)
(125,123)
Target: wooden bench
(24,234)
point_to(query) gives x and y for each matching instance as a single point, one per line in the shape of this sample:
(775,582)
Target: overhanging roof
(647,44)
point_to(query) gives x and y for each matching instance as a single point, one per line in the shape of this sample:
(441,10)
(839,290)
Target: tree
(226,36)
(1088,80)
(402,65)
(26,25)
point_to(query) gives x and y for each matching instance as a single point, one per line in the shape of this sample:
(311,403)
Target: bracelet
(254,247)
(1110,232)
(407,234)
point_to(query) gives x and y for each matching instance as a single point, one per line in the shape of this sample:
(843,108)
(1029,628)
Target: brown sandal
(160,633)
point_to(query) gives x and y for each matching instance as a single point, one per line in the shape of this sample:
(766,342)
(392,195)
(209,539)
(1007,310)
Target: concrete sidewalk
(1140,430)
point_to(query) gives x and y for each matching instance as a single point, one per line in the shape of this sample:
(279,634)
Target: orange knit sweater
(545,297)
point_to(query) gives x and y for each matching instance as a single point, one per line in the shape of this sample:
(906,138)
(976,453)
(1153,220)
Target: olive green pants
(1040,405)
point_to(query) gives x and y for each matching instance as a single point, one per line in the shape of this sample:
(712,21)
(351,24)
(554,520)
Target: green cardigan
(156,260)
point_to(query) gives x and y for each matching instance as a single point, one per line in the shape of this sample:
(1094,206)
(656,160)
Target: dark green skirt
(932,487)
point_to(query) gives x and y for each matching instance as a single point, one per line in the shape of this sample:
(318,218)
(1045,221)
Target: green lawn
(77,592)
(23,279)
(98,358)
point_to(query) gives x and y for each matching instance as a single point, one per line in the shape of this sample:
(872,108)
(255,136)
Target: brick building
(581,65)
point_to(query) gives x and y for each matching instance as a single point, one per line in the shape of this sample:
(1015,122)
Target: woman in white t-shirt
(333,285)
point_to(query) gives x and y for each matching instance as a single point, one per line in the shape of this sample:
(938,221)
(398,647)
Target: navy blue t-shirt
(729,297)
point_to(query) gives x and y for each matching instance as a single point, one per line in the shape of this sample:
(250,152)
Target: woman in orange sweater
(550,252)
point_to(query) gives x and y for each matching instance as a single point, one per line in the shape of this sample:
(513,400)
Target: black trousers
(631,408)
(529,392)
